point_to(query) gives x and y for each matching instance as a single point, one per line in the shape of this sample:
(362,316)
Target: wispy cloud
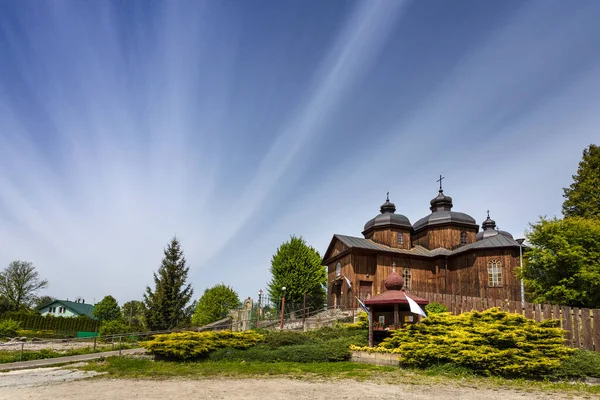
(122,124)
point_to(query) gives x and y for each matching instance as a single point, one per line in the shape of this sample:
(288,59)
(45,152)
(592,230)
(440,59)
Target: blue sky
(234,124)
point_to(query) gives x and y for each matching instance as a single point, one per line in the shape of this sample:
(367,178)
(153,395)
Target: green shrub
(114,327)
(38,334)
(435,308)
(71,325)
(193,345)
(320,345)
(9,328)
(362,323)
(580,364)
(285,338)
(489,342)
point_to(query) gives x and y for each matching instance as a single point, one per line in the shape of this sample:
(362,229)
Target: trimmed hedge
(489,342)
(71,325)
(193,345)
(320,345)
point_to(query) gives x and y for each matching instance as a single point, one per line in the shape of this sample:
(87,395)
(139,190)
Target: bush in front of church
(492,342)
(194,345)
(435,308)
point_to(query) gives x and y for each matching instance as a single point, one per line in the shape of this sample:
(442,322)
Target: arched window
(338,269)
(494,273)
(400,237)
(406,275)
(463,238)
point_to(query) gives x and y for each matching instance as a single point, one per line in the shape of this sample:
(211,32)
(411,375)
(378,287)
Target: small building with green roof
(66,308)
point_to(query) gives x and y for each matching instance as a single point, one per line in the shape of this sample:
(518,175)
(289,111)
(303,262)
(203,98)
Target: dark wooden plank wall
(389,237)
(447,237)
(581,325)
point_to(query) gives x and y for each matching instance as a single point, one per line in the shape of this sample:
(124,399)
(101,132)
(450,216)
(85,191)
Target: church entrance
(365,291)
(337,295)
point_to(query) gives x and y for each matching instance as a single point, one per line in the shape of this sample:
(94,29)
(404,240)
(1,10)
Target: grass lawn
(136,368)
(10,356)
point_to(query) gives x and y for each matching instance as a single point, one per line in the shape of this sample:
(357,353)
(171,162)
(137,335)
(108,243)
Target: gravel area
(56,383)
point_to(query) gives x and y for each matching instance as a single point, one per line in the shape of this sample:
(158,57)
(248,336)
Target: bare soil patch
(97,389)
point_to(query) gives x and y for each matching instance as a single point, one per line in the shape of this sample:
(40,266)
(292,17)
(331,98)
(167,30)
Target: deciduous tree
(133,313)
(167,305)
(215,304)
(107,310)
(19,284)
(562,264)
(297,267)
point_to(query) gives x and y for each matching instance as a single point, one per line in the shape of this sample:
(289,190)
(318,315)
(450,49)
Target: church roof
(489,229)
(441,214)
(388,217)
(497,241)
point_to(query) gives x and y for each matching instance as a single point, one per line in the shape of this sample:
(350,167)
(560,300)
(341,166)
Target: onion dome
(388,218)
(441,213)
(394,281)
(489,229)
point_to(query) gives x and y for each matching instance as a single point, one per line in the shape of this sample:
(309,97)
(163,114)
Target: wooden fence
(582,325)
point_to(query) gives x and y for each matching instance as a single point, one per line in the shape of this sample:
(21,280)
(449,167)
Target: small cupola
(394,281)
(387,218)
(489,229)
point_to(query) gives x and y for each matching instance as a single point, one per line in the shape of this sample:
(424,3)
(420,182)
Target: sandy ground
(57,383)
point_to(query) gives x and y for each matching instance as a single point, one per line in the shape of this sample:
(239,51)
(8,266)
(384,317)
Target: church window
(406,275)
(338,269)
(463,238)
(400,237)
(494,273)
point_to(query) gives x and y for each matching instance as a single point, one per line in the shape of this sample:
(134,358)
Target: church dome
(388,218)
(394,281)
(489,230)
(441,213)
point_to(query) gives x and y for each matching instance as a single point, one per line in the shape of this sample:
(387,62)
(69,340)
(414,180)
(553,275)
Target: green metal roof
(77,308)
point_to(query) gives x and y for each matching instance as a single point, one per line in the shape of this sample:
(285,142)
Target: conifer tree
(582,198)
(167,306)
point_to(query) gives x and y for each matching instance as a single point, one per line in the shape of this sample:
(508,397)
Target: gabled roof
(488,243)
(420,251)
(76,308)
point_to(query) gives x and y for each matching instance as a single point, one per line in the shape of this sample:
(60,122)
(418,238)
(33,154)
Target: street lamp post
(282,307)
(260,292)
(520,241)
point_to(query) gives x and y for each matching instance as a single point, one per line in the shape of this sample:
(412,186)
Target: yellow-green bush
(191,345)
(362,323)
(489,342)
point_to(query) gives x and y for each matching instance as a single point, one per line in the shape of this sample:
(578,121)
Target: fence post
(113,343)
(95,338)
(21,356)
(120,337)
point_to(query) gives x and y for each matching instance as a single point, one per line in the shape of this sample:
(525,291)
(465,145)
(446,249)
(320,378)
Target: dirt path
(98,389)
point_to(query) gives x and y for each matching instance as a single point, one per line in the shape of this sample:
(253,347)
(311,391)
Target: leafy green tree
(562,265)
(297,267)
(582,198)
(107,310)
(133,315)
(19,284)
(215,304)
(167,306)
(43,300)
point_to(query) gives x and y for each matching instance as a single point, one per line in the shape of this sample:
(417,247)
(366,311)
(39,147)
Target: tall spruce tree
(297,267)
(167,306)
(582,198)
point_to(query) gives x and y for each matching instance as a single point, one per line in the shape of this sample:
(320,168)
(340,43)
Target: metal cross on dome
(394,266)
(440,181)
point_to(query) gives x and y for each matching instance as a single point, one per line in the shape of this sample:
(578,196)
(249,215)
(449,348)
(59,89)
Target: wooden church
(444,252)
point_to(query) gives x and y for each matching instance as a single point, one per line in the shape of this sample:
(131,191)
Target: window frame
(407,277)
(463,238)
(494,270)
(400,239)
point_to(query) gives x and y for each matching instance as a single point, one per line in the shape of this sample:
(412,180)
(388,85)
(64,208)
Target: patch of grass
(136,368)
(581,363)
(10,356)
